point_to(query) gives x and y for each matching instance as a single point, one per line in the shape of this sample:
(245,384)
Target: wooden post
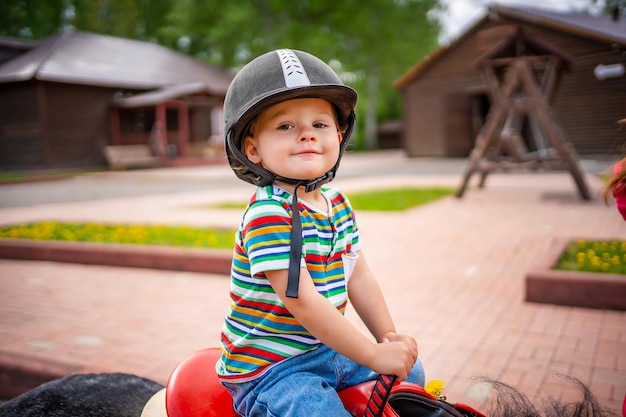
(183,128)
(161,130)
(116,133)
(554,132)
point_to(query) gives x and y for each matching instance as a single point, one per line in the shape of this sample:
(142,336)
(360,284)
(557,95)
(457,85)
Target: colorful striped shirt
(259,331)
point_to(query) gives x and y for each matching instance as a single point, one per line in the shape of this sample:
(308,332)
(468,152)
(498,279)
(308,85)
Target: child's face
(296,139)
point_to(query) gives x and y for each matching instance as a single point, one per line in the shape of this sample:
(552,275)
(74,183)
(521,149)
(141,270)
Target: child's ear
(250,150)
(339,136)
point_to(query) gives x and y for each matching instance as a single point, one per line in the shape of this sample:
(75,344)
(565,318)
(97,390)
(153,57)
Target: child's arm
(368,301)
(326,323)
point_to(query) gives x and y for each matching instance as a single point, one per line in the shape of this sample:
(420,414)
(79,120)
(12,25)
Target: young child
(286,345)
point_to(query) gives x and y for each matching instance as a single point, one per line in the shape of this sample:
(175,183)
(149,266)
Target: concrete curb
(579,289)
(212,261)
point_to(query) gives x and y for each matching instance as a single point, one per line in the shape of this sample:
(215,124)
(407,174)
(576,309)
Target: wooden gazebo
(521,73)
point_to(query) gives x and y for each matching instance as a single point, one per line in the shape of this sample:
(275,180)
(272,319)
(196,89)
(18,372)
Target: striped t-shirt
(259,331)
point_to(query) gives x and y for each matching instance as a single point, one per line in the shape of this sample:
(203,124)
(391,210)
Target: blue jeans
(305,385)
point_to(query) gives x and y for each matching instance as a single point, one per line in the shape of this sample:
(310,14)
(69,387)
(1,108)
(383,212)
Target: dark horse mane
(508,401)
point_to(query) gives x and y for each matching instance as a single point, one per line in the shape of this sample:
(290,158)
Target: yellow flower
(435,388)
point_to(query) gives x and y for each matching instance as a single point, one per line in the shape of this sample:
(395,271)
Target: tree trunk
(371,122)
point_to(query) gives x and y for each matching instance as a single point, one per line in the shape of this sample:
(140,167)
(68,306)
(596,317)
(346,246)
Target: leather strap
(295,254)
(380,395)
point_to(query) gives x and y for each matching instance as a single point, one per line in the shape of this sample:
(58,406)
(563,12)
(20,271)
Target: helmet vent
(293,70)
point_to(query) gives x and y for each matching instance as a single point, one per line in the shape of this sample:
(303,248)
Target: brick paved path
(453,273)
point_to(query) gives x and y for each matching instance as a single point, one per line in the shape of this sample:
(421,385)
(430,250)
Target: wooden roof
(77,57)
(154,97)
(12,47)
(521,43)
(601,28)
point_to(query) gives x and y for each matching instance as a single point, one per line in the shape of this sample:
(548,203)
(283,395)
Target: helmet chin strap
(295,253)
(309,185)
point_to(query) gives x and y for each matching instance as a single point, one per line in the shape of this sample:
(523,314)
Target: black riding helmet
(271,78)
(274,77)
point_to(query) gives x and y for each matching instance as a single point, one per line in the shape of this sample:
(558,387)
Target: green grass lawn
(392,199)
(396,199)
(10,177)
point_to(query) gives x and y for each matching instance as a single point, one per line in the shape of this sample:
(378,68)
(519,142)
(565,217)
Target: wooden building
(65,98)
(446,98)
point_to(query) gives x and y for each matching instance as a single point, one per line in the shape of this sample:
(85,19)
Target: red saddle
(194,390)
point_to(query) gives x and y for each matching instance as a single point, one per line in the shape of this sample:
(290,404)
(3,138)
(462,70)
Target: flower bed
(138,234)
(176,248)
(601,290)
(594,256)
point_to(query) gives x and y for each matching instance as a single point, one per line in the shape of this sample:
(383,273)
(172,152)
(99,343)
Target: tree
(384,39)
(371,43)
(134,19)
(32,19)
(35,19)
(614,8)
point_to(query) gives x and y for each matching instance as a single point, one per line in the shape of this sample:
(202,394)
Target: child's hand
(395,357)
(399,337)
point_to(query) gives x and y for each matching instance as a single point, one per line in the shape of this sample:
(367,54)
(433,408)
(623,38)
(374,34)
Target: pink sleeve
(619,193)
